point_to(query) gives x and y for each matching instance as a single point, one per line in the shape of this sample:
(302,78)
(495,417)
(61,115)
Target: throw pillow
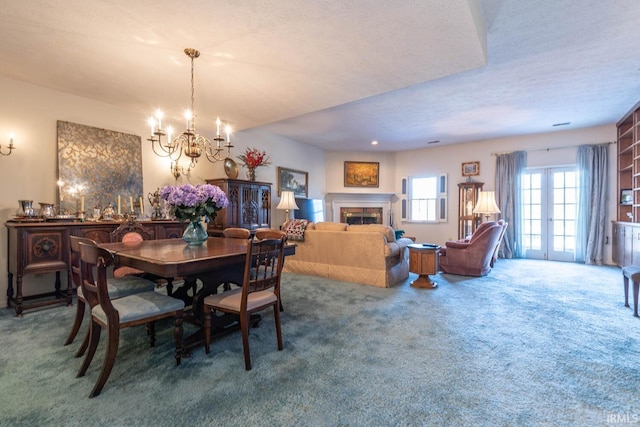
(295,229)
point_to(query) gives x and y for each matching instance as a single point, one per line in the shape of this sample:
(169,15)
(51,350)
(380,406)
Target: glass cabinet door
(467,198)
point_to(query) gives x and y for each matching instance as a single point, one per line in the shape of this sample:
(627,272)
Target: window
(427,199)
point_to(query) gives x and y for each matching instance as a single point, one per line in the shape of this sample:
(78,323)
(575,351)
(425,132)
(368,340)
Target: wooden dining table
(204,268)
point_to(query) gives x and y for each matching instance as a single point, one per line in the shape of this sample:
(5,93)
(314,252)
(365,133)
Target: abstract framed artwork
(626,196)
(96,166)
(361,174)
(293,180)
(471,168)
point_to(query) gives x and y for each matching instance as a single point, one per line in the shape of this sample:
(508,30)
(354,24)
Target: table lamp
(287,202)
(486,204)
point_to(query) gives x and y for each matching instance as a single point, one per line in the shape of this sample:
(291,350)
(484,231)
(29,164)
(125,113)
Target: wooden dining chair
(138,309)
(236,233)
(130,232)
(116,288)
(260,290)
(270,233)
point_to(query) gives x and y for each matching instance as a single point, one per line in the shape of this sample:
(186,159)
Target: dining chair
(270,233)
(115,314)
(260,290)
(236,233)
(130,232)
(116,287)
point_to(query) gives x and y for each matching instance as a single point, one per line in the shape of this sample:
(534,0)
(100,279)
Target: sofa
(368,254)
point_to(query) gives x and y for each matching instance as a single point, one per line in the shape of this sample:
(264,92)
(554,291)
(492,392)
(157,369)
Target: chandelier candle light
(189,142)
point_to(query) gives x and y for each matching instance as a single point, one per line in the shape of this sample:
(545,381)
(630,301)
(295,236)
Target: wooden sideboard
(43,247)
(249,205)
(625,243)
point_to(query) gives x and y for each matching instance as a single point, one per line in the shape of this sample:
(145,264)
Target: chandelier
(189,142)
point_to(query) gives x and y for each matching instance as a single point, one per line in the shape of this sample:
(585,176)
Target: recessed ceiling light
(562,124)
(435,141)
(374,142)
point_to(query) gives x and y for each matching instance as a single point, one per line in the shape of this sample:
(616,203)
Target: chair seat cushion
(138,306)
(119,287)
(632,272)
(230,300)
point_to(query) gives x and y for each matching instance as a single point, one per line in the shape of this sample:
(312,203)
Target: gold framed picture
(361,174)
(471,168)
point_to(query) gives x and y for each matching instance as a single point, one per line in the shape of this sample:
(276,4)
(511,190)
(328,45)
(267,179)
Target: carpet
(534,343)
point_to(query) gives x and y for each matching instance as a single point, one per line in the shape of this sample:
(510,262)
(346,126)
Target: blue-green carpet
(534,343)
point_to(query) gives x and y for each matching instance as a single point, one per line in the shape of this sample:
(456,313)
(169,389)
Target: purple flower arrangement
(192,202)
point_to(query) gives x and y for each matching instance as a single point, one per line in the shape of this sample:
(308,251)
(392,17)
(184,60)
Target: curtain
(509,169)
(591,228)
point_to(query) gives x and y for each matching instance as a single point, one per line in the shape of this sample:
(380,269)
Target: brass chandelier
(189,142)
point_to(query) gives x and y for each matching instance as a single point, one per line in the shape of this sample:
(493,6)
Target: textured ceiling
(339,74)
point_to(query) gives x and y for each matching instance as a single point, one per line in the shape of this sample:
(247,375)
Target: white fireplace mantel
(362,200)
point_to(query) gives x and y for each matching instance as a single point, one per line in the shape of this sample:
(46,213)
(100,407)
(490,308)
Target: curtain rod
(550,148)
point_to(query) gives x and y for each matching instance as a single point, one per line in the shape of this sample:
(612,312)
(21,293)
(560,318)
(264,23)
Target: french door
(549,213)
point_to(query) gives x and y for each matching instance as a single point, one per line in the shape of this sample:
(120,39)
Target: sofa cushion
(295,229)
(387,231)
(331,226)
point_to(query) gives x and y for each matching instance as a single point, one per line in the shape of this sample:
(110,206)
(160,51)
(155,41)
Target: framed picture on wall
(293,180)
(626,197)
(471,168)
(361,174)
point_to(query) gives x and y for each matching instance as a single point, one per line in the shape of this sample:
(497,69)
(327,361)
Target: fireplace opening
(361,215)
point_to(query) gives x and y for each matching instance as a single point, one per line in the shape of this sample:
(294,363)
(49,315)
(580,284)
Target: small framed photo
(361,174)
(471,168)
(626,197)
(293,180)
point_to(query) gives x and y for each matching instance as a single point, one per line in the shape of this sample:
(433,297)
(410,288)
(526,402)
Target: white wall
(30,172)
(448,159)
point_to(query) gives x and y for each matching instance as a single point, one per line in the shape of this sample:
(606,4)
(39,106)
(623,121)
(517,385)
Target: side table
(423,260)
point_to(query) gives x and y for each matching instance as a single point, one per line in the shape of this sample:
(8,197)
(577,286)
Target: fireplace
(364,208)
(355,215)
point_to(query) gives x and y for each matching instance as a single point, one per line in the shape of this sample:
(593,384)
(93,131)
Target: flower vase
(195,234)
(251,174)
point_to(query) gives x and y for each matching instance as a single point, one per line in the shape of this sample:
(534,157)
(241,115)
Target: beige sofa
(368,254)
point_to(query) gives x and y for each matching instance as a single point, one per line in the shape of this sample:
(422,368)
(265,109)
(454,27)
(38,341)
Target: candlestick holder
(81,215)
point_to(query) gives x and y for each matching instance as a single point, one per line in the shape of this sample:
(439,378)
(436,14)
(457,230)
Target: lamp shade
(486,204)
(287,201)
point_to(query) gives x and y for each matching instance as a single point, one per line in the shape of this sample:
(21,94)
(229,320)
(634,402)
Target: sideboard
(43,247)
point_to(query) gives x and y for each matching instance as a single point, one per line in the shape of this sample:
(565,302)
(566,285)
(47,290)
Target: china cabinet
(249,205)
(468,193)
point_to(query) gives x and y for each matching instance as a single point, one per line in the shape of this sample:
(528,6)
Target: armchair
(472,257)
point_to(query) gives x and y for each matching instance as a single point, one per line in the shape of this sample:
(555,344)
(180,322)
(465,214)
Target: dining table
(204,269)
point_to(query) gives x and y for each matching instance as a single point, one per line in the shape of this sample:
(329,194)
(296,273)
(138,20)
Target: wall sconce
(287,202)
(177,170)
(11,146)
(486,204)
